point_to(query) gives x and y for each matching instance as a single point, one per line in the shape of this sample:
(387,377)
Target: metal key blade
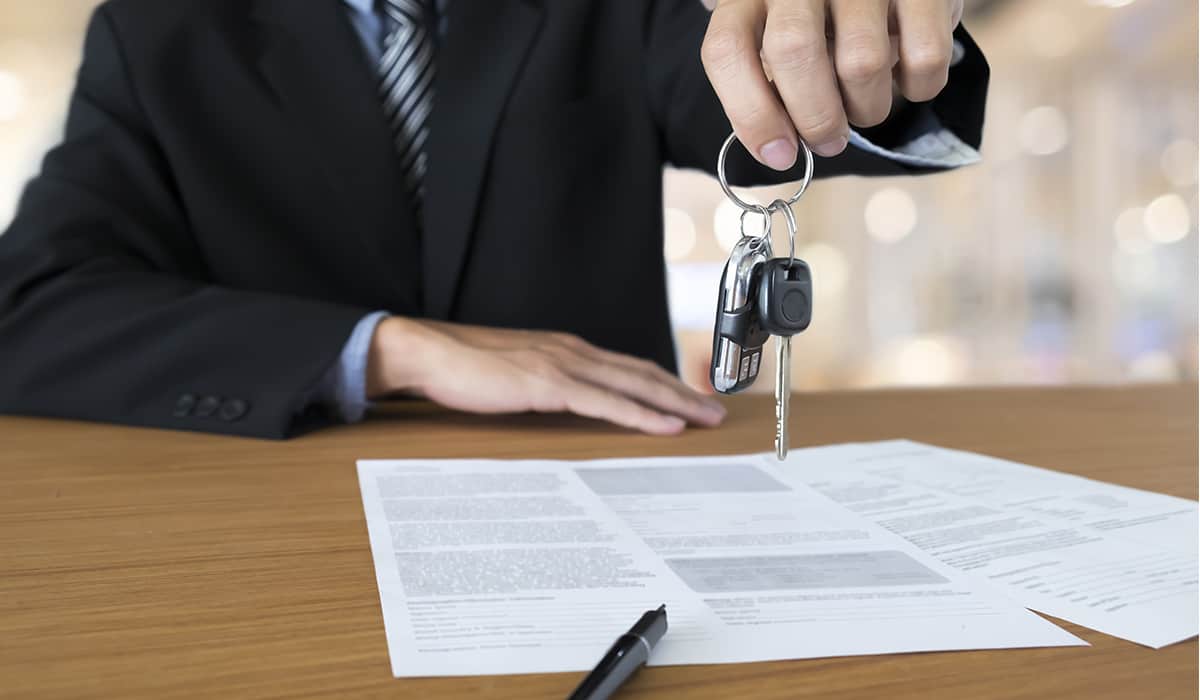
(783,393)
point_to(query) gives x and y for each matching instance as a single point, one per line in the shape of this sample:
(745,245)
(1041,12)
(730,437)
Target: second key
(785,309)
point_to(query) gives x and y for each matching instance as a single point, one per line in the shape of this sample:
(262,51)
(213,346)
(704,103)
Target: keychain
(761,296)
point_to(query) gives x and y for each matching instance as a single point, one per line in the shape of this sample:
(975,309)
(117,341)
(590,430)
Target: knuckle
(928,59)
(548,352)
(722,47)
(542,365)
(568,340)
(652,372)
(861,63)
(793,43)
(746,116)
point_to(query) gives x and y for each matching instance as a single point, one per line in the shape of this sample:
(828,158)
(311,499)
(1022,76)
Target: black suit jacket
(226,203)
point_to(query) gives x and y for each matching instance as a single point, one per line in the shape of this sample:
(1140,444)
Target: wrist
(398,359)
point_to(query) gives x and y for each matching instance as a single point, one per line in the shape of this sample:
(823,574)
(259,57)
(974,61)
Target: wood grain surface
(152,564)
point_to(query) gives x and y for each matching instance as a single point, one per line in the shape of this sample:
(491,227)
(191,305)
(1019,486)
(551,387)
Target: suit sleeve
(105,310)
(693,125)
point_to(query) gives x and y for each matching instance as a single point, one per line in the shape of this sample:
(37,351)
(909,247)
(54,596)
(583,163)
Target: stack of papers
(497,567)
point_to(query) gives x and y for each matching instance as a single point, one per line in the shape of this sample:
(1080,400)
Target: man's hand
(487,370)
(832,63)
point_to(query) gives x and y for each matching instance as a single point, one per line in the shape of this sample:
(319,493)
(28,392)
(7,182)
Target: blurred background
(1068,256)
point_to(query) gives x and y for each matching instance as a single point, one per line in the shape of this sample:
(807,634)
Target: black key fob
(785,296)
(738,335)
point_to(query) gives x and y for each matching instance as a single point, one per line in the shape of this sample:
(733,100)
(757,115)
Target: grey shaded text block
(777,573)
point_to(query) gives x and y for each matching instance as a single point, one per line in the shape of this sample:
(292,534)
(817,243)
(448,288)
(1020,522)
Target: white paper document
(494,567)
(1115,559)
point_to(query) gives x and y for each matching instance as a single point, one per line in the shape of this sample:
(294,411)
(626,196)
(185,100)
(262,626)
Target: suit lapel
(314,63)
(481,55)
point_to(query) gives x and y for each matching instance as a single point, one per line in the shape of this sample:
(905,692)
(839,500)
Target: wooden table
(147,564)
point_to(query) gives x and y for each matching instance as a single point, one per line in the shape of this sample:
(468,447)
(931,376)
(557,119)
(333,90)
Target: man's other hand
(817,66)
(488,370)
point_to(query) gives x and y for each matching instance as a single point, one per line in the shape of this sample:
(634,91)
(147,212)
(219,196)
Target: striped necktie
(406,85)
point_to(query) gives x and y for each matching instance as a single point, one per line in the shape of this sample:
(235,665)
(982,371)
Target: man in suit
(266,213)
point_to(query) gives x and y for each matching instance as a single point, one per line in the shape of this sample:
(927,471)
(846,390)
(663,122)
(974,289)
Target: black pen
(624,657)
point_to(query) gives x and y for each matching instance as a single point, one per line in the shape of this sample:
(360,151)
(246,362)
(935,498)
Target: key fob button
(795,305)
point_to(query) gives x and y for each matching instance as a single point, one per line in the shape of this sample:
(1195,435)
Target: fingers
(487,370)
(926,46)
(592,401)
(795,48)
(811,90)
(730,54)
(644,382)
(862,57)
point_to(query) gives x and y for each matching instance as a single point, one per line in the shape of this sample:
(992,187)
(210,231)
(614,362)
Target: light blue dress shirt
(369,25)
(344,386)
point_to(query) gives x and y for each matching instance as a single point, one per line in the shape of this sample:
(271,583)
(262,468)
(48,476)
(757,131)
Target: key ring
(766,215)
(790,217)
(746,206)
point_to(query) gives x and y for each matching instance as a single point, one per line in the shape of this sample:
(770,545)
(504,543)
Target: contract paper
(1115,559)
(493,567)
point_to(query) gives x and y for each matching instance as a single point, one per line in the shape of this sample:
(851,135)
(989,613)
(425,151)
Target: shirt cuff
(937,148)
(344,386)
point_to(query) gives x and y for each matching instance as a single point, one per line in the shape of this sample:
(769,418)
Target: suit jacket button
(184,405)
(208,406)
(233,409)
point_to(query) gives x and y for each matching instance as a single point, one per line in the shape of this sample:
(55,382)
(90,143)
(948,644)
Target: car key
(738,336)
(785,309)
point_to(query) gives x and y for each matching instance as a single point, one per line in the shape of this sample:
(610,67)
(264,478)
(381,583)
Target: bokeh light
(1043,131)
(679,234)
(727,225)
(1130,231)
(830,270)
(890,214)
(1167,219)
(922,360)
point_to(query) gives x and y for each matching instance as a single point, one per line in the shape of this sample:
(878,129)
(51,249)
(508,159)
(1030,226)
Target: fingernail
(780,154)
(716,408)
(832,147)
